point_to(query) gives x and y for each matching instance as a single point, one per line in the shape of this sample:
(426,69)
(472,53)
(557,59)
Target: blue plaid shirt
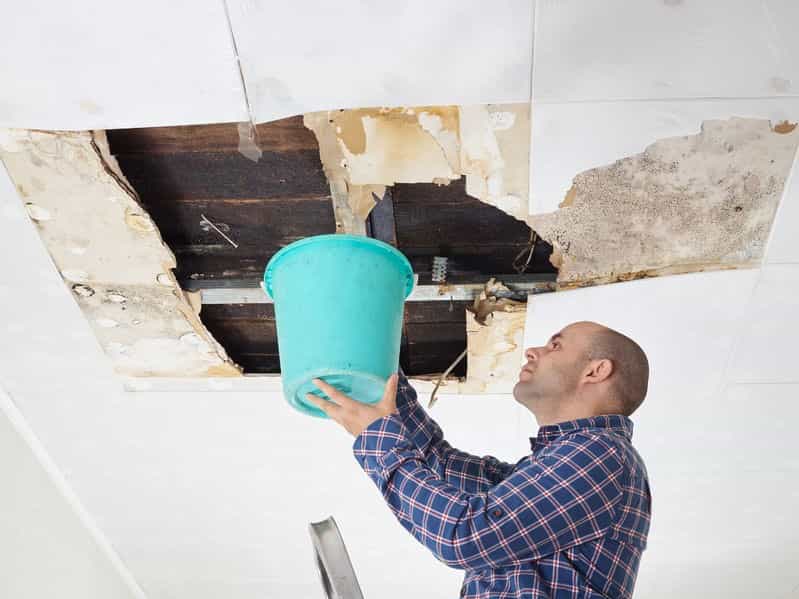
(569,520)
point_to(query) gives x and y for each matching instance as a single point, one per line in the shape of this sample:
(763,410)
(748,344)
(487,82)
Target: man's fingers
(333,393)
(390,391)
(328,407)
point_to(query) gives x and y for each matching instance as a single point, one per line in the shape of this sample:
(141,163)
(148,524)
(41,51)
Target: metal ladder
(333,561)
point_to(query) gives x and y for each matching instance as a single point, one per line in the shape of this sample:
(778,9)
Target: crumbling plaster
(692,203)
(494,341)
(365,150)
(685,204)
(110,254)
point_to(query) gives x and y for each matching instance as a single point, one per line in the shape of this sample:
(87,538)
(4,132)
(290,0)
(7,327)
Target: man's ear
(598,370)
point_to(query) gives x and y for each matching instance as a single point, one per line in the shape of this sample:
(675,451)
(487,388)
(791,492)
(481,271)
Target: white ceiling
(587,51)
(151,63)
(209,494)
(117,64)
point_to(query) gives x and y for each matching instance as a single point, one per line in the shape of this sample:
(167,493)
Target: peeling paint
(488,302)
(121,277)
(364,148)
(399,150)
(686,204)
(351,203)
(494,339)
(784,127)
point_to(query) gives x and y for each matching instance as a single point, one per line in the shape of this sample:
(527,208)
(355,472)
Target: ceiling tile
(766,350)
(619,50)
(311,55)
(783,246)
(112,64)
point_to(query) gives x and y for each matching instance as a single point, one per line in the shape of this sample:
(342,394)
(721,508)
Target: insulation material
(494,341)
(365,150)
(692,203)
(111,254)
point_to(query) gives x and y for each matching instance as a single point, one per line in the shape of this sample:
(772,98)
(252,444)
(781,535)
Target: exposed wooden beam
(380,224)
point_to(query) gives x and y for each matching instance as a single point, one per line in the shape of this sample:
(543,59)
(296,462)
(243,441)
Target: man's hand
(354,415)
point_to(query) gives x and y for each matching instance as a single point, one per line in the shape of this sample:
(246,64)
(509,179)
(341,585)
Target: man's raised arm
(471,474)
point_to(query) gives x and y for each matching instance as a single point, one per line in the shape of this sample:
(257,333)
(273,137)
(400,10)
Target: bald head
(630,377)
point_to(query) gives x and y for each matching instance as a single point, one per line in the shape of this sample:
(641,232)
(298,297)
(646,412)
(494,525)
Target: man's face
(552,371)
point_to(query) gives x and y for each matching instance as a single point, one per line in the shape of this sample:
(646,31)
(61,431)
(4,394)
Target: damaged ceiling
(685,204)
(111,255)
(462,181)
(169,214)
(183,487)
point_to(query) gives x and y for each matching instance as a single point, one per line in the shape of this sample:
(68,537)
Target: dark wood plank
(246,313)
(193,266)
(434,335)
(284,135)
(479,240)
(247,332)
(225,175)
(427,217)
(245,335)
(260,228)
(435,312)
(251,223)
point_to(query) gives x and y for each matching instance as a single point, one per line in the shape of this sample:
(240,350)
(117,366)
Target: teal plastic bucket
(338,310)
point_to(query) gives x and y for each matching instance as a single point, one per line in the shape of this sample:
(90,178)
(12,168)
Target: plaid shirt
(569,520)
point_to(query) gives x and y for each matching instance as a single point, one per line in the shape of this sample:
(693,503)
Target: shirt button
(496,513)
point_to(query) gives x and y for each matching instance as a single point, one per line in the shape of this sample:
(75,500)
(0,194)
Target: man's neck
(565,415)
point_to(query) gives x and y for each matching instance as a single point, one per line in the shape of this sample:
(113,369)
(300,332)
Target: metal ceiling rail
(520,286)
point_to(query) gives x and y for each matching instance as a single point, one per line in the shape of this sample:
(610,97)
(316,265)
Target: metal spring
(439,274)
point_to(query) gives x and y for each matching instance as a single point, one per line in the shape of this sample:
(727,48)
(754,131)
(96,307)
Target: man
(569,520)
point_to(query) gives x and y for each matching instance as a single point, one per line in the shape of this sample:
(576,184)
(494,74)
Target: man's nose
(531,353)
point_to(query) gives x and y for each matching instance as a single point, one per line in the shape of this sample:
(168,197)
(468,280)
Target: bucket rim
(370,242)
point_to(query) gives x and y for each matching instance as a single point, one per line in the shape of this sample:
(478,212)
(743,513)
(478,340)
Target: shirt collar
(617,423)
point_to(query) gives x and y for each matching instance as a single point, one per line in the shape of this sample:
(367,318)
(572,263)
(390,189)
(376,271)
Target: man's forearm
(468,472)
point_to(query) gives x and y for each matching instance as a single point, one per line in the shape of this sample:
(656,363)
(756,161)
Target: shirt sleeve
(465,471)
(564,499)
